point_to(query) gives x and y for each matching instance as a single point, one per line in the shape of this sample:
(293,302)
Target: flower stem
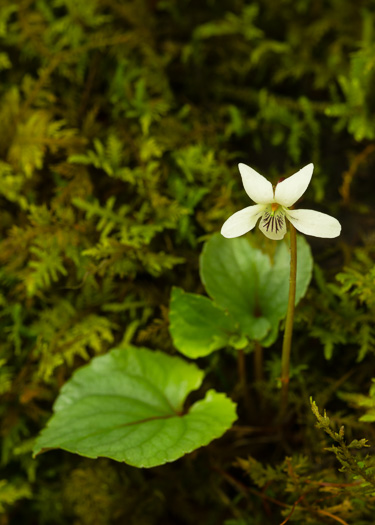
(287,342)
(258,362)
(242,377)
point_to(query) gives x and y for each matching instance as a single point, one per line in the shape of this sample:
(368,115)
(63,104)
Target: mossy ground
(121,126)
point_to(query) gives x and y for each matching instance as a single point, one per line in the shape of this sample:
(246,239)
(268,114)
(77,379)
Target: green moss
(121,124)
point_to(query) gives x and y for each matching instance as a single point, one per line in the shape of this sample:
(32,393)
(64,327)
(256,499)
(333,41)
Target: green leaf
(128,406)
(242,279)
(199,327)
(230,272)
(369,417)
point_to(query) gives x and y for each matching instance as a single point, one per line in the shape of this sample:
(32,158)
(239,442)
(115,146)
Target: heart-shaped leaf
(198,326)
(128,406)
(230,273)
(254,289)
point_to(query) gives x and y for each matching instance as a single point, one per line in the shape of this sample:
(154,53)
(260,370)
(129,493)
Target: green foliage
(10,493)
(346,312)
(198,326)
(64,334)
(121,124)
(363,468)
(311,494)
(250,296)
(128,406)
(359,279)
(363,402)
(45,269)
(357,87)
(252,287)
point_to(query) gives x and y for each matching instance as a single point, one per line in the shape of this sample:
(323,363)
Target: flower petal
(273,225)
(258,188)
(242,221)
(291,189)
(314,223)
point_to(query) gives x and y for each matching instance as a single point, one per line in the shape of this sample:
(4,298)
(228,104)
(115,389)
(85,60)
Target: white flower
(272,208)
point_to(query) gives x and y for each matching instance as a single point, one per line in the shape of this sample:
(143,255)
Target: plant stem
(242,369)
(287,342)
(258,380)
(242,377)
(258,362)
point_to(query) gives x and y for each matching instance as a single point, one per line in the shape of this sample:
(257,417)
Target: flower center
(273,222)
